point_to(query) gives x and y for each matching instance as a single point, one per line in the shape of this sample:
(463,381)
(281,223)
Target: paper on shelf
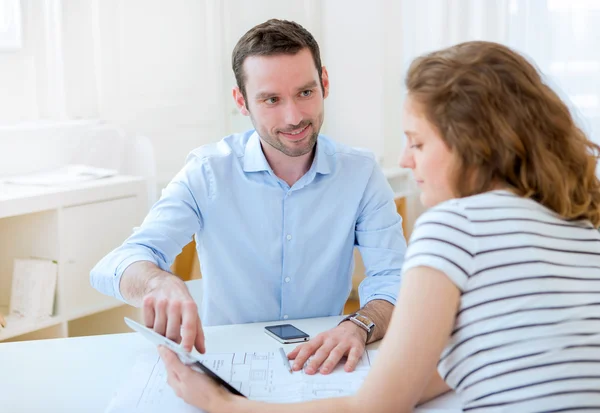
(64,175)
(33,287)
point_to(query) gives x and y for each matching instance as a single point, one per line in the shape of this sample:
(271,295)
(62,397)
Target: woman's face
(427,155)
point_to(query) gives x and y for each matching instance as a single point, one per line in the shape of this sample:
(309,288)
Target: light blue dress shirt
(269,251)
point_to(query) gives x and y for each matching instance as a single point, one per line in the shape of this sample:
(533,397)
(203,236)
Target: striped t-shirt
(527,332)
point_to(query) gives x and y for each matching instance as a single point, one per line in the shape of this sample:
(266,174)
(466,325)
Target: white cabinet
(74,226)
(103,225)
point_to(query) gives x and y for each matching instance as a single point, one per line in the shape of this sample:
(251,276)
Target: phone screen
(286,331)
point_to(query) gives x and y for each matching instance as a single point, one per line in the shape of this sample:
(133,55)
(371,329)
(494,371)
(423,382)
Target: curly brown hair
(507,126)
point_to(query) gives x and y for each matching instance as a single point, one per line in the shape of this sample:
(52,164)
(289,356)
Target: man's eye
(416,146)
(306,93)
(271,101)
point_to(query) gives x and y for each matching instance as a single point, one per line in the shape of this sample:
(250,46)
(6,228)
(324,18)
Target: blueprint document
(258,375)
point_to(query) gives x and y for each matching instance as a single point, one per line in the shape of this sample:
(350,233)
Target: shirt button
(287,279)
(289,237)
(285,317)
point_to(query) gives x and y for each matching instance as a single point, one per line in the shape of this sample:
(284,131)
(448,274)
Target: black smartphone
(287,333)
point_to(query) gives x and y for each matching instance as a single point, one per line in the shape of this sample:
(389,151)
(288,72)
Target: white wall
(353,45)
(163,69)
(363,54)
(155,74)
(22,80)
(145,65)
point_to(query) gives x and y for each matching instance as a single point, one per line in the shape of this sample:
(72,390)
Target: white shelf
(75,225)
(16,326)
(401,181)
(26,199)
(396,172)
(84,312)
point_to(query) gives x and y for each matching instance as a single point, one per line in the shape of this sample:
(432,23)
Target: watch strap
(355,318)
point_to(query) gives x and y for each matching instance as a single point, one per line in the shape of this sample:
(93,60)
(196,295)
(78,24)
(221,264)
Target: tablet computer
(184,356)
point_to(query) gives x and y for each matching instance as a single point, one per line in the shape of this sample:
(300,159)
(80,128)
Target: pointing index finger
(189,326)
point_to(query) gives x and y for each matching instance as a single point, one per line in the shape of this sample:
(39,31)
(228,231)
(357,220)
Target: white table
(82,374)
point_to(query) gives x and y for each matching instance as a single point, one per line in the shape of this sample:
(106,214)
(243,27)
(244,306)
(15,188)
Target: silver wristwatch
(362,321)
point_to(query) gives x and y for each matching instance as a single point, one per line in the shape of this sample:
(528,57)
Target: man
(276,213)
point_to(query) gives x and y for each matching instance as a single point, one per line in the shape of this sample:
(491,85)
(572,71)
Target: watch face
(366,321)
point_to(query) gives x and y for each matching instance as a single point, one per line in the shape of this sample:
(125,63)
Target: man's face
(284,100)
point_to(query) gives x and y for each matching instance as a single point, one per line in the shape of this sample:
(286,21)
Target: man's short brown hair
(270,38)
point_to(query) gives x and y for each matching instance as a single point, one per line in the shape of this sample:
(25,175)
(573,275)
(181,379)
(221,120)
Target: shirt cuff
(389,298)
(121,269)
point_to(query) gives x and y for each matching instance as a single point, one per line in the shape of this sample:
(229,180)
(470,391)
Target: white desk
(81,374)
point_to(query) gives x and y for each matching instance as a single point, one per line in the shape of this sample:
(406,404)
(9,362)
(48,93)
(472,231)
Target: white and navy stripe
(527,333)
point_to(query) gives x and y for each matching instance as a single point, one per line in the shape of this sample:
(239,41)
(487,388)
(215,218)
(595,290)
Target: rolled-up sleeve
(168,227)
(380,241)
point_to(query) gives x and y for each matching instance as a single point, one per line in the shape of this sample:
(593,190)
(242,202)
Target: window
(10,25)
(563,38)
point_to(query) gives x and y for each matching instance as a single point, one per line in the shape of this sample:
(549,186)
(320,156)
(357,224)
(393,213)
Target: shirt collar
(255,161)
(254,158)
(324,159)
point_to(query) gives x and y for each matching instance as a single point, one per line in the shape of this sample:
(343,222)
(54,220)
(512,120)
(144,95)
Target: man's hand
(329,347)
(170,310)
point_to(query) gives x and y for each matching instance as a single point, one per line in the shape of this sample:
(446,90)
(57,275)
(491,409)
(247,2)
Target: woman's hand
(194,388)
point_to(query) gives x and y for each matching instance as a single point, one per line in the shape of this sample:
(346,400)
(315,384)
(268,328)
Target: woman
(501,283)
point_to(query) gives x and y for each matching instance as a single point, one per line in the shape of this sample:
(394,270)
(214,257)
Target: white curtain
(562,37)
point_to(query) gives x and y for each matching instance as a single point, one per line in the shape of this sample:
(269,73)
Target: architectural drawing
(259,375)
